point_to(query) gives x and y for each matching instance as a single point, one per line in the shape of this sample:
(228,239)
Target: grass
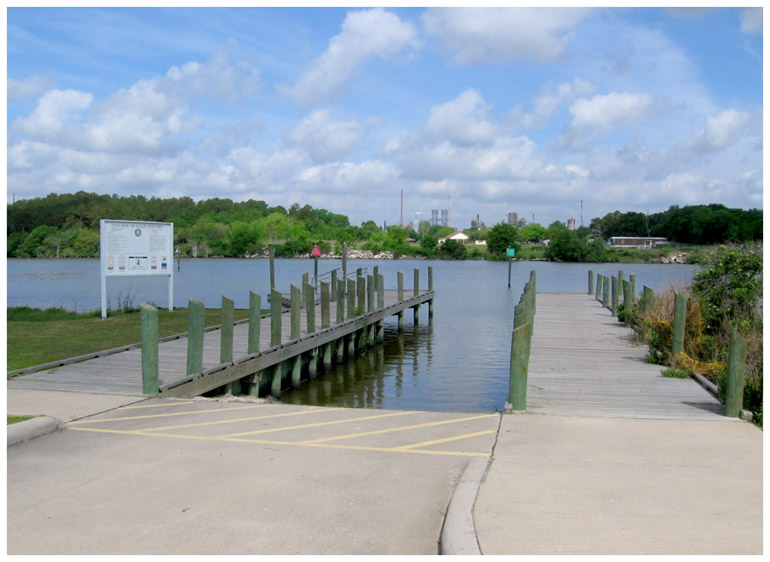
(39,336)
(17,419)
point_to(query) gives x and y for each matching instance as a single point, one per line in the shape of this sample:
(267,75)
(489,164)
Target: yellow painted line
(167,415)
(319,424)
(156,405)
(444,440)
(291,443)
(402,428)
(218,422)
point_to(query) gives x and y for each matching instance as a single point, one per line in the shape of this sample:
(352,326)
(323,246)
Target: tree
(532,232)
(428,245)
(452,249)
(501,237)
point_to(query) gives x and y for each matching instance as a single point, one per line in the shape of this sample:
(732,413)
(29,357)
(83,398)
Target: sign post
(511,252)
(136,248)
(316,254)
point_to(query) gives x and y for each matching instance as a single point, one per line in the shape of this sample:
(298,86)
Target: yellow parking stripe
(267,442)
(319,424)
(156,405)
(190,412)
(444,440)
(402,428)
(234,420)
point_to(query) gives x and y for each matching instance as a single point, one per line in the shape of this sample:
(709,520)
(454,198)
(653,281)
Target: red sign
(316,252)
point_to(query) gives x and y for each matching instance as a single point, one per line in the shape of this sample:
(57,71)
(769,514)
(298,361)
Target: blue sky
(484,111)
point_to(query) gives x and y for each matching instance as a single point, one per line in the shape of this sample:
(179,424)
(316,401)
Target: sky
(552,113)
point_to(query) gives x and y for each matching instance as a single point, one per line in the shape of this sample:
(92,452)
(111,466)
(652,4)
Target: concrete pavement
(135,476)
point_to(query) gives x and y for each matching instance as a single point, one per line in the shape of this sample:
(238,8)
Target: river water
(458,363)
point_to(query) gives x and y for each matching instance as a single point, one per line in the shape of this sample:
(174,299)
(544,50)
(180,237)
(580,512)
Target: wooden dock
(583,362)
(121,373)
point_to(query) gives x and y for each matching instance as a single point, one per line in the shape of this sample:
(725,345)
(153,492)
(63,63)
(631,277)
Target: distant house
(636,241)
(459,236)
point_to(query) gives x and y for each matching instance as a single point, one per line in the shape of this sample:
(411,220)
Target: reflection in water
(375,377)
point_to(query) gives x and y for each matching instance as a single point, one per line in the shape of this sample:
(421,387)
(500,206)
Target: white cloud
(463,120)
(27,87)
(550,100)
(605,112)
(346,177)
(324,138)
(365,34)
(54,112)
(751,20)
(721,131)
(480,35)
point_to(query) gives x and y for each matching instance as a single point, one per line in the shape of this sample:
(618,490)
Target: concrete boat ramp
(603,473)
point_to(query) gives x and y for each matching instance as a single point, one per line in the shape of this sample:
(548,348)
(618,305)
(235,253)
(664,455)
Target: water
(458,363)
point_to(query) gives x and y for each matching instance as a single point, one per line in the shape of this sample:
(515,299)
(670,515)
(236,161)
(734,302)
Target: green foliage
(532,232)
(567,245)
(729,288)
(501,237)
(452,249)
(675,373)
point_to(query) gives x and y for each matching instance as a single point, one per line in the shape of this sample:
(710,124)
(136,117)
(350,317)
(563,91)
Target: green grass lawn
(17,419)
(41,336)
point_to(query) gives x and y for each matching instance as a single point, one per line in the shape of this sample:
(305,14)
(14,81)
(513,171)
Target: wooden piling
(628,302)
(272,267)
(310,308)
(195,324)
(648,298)
(519,367)
(275,318)
(400,286)
(255,316)
(680,313)
(590,281)
(325,306)
(615,295)
(606,292)
(226,331)
(149,336)
(295,313)
(351,299)
(735,375)
(361,294)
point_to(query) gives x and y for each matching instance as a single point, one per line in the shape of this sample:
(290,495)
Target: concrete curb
(458,535)
(35,427)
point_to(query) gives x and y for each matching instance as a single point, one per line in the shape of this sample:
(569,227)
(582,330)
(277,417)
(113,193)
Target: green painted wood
(277,382)
(226,331)
(195,324)
(340,302)
(606,292)
(344,261)
(310,308)
(255,320)
(272,268)
(296,371)
(615,295)
(416,281)
(351,299)
(325,306)
(620,274)
(400,286)
(334,285)
(380,291)
(360,295)
(370,294)
(275,318)
(517,395)
(736,371)
(628,301)
(295,313)
(632,280)
(430,277)
(305,283)
(590,281)
(327,356)
(648,298)
(148,317)
(680,314)
(599,281)
(312,364)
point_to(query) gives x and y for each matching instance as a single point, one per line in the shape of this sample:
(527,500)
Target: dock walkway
(121,373)
(584,362)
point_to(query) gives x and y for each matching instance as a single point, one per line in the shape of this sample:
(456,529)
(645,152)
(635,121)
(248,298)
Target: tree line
(67,225)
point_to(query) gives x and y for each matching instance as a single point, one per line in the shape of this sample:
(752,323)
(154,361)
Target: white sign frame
(136,248)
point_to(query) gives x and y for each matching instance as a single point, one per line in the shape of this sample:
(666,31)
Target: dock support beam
(680,314)
(590,281)
(195,324)
(149,334)
(735,375)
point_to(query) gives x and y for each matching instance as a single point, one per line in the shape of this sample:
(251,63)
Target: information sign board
(511,252)
(129,248)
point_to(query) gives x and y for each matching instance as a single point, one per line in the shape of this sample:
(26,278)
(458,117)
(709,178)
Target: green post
(325,306)
(590,281)
(296,371)
(310,308)
(195,324)
(360,295)
(278,376)
(599,281)
(615,295)
(327,356)
(606,292)
(416,281)
(149,334)
(370,293)
(735,375)
(380,291)
(226,331)
(334,284)
(430,277)
(620,274)
(272,268)
(648,298)
(680,313)
(632,279)
(519,367)
(344,262)
(400,286)
(305,283)
(628,302)
(341,302)
(275,318)
(295,312)
(255,318)
(351,299)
